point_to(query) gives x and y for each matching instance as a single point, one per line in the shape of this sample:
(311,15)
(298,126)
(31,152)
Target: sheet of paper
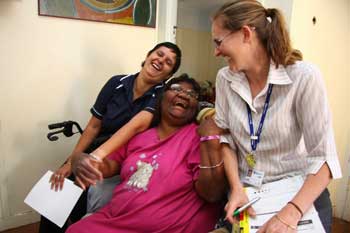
(55,206)
(274,196)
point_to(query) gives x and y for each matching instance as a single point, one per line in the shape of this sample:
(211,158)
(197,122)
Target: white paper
(274,196)
(55,206)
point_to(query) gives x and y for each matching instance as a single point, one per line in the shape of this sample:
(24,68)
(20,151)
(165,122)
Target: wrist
(290,214)
(95,157)
(209,137)
(296,207)
(99,153)
(237,189)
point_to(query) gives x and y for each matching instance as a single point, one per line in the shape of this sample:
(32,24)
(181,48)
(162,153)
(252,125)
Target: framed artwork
(131,12)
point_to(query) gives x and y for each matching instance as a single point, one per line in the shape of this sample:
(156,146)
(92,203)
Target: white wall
(194,38)
(51,70)
(327,44)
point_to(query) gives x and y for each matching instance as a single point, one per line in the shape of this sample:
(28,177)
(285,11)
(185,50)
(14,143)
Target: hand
(208,127)
(286,216)
(237,199)
(85,170)
(57,178)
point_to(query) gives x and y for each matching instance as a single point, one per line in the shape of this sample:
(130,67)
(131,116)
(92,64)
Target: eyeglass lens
(177,88)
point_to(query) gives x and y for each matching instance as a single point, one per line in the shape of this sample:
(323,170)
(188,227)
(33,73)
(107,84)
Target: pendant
(140,178)
(250,160)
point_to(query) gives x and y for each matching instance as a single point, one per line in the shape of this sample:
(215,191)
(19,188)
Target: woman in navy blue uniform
(123,108)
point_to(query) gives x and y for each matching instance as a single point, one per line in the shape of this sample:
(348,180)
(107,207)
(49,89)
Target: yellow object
(243,225)
(250,160)
(204,113)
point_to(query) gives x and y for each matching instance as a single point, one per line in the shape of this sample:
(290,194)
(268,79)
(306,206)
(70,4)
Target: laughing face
(179,104)
(158,65)
(228,45)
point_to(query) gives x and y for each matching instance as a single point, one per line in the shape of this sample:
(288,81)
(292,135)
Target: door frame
(167,20)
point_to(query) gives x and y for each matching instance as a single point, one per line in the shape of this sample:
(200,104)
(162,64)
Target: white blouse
(297,135)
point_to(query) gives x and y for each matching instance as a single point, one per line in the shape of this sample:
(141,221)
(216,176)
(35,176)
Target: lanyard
(255,139)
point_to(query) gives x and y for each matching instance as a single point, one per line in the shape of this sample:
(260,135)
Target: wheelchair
(68,129)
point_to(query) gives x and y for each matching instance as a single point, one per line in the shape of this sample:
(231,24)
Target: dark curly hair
(182,78)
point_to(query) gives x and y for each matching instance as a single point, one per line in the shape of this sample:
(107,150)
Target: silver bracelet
(95,157)
(210,167)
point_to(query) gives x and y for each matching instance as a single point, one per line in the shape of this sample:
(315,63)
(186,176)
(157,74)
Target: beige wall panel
(51,70)
(327,44)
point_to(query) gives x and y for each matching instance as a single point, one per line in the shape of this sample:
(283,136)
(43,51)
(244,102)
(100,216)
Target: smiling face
(179,105)
(158,65)
(230,45)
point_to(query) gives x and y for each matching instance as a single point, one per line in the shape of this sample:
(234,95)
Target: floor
(339,226)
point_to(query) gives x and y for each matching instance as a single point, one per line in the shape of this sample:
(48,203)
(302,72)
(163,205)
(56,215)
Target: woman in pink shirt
(171,177)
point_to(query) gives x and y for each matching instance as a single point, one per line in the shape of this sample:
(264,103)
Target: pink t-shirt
(157,191)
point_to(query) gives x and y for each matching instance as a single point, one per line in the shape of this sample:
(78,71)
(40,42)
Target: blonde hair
(269,25)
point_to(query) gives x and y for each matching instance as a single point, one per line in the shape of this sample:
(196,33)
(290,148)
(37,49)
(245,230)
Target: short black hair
(182,78)
(173,47)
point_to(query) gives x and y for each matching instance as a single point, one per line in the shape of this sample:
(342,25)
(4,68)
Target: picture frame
(129,12)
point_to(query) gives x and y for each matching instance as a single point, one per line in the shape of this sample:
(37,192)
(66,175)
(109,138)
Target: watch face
(108,6)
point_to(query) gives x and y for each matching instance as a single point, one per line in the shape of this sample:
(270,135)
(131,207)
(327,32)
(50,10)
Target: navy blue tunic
(115,106)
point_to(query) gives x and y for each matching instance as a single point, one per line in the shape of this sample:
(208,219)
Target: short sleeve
(152,102)
(314,118)
(221,109)
(100,107)
(221,105)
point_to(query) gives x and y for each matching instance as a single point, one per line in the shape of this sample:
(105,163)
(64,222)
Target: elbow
(212,197)
(141,128)
(211,193)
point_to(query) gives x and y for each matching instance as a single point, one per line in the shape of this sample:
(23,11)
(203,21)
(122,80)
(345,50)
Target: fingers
(85,177)
(88,168)
(80,183)
(60,182)
(262,229)
(57,181)
(230,208)
(251,211)
(85,169)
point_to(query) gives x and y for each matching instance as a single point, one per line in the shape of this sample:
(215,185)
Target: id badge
(254,177)
(250,160)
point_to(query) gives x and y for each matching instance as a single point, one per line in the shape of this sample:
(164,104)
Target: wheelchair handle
(67,129)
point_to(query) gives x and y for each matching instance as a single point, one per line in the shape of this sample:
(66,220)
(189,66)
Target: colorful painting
(132,12)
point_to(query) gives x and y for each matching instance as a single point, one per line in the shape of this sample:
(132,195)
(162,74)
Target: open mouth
(181,104)
(156,66)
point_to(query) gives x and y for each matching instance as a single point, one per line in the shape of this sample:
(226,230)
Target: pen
(239,210)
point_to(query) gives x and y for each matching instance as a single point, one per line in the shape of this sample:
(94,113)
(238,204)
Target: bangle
(95,157)
(210,137)
(296,207)
(210,167)
(285,223)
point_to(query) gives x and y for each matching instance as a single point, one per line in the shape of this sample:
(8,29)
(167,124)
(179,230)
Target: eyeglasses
(178,89)
(218,42)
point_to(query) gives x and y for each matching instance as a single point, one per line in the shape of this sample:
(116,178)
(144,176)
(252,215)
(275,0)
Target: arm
(211,183)
(89,134)
(89,175)
(314,119)
(139,123)
(88,171)
(237,196)
(313,186)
